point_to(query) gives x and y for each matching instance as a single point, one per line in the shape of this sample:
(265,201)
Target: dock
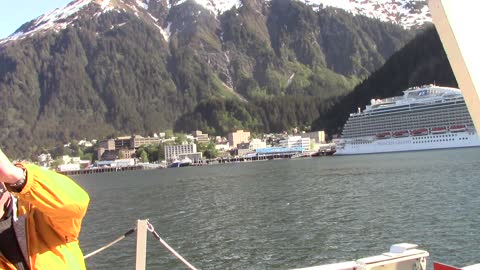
(102,170)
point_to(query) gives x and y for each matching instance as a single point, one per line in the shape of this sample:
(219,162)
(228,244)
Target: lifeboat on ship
(458,128)
(401,133)
(439,130)
(384,135)
(419,132)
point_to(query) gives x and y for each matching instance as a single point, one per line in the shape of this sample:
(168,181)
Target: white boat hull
(370,145)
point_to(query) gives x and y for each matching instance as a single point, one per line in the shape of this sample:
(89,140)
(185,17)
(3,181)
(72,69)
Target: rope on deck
(111,243)
(155,234)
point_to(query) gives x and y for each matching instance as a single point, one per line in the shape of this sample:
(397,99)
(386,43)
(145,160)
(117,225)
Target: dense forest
(422,61)
(264,66)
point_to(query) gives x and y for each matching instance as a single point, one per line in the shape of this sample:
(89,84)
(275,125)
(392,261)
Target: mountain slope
(406,13)
(103,68)
(422,61)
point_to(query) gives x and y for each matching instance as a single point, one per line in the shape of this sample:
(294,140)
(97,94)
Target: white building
(173,152)
(44,160)
(318,136)
(296,141)
(69,167)
(125,162)
(257,143)
(70,160)
(222,147)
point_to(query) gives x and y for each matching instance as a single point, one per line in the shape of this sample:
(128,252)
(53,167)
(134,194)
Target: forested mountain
(96,69)
(422,61)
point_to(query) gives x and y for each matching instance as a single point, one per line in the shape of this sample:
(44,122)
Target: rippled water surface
(287,214)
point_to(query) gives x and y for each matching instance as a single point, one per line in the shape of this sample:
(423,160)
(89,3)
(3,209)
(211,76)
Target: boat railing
(400,256)
(142,228)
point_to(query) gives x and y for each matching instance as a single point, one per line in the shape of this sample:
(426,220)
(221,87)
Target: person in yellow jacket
(41,214)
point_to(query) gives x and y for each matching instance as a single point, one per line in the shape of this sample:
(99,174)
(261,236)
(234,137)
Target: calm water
(289,214)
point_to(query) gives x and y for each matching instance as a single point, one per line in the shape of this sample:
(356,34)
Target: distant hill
(97,69)
(422,61)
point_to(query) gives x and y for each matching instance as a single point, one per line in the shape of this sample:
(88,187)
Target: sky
(15,13)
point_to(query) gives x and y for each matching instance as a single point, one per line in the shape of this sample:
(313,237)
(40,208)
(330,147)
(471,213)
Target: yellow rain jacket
(53,207)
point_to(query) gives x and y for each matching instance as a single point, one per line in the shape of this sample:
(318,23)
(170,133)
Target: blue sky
(15,13)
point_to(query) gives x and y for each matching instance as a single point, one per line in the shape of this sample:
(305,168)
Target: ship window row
(419,108)
(464,114)
(435,122)
(441,140)
(408,115)
(459,114)
(426,122)
(411,121)
(398,123)
(434,136)
(374,130)
(410,125)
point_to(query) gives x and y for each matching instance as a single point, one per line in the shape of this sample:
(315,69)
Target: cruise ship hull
(370,145)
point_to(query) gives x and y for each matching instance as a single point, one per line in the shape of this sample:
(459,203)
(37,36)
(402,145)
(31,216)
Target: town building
(126,153)
(317,136)
(240,136)
(257,143)
(222,147)
(243,149)
(85,143)
(123,142)
(296,142)
(179,152)
(138,141)
(105,146)
(200,137)
(44,160)
(123,146)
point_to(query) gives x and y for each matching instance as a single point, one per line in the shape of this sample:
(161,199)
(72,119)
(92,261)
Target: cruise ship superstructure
(426,117)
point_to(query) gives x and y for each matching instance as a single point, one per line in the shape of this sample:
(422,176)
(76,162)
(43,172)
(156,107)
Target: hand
(9,173)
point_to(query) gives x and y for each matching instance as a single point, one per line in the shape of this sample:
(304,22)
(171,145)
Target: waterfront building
(69,167)
(295,142)
(107,145)
(222,146)
(257,143)
(137,141)
(123,142)
(317,136)
(272,151)
(126,153)
(124,146)
(240,136)
(243,149)
(173,152)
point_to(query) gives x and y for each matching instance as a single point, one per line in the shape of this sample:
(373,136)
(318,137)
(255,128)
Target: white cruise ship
(426,117)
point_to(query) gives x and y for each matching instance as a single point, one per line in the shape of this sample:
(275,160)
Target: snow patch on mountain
(408,13)
(215,6)
(57,19)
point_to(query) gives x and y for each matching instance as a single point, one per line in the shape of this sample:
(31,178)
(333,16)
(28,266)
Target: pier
(102,170)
